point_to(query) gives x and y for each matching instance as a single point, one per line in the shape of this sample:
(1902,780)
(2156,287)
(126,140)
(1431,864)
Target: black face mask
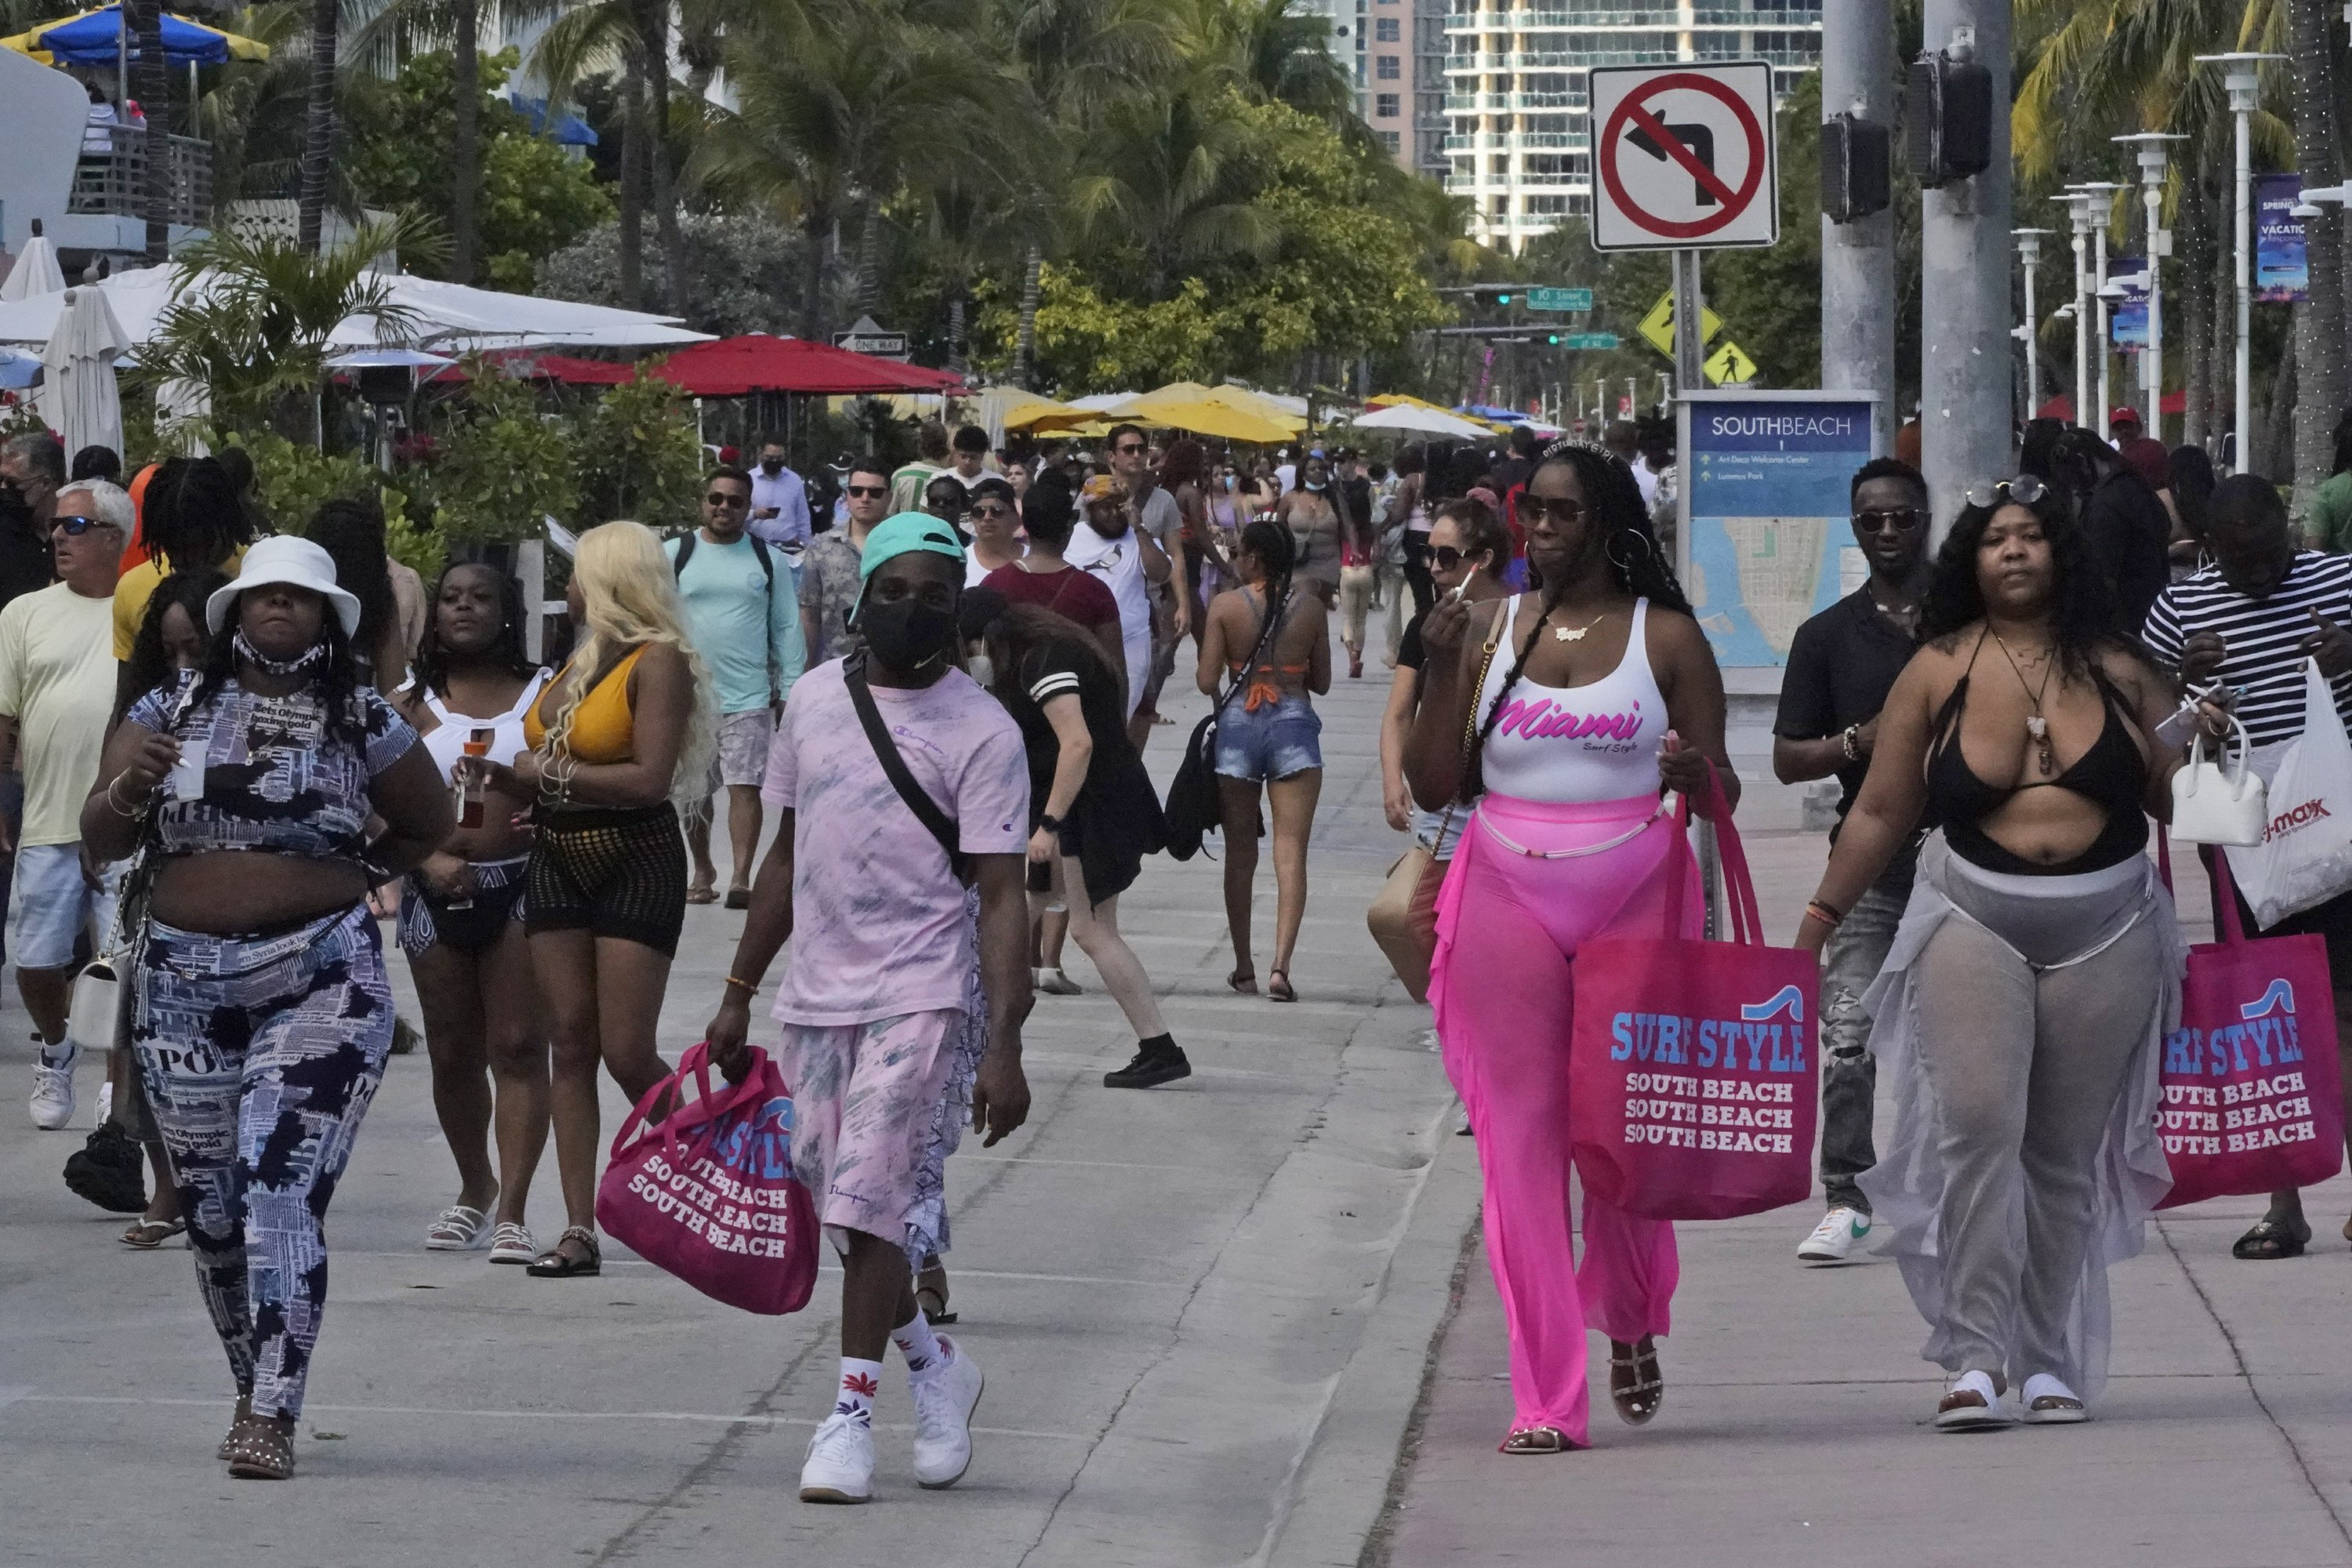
(907,635)
(771,466)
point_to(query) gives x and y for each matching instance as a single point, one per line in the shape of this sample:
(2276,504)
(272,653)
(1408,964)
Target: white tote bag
(2305,855)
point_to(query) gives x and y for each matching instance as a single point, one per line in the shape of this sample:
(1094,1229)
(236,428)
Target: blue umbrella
(94,38)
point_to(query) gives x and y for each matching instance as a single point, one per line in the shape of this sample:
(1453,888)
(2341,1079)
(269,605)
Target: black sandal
(1643,1390)
(931,1292)
(243,1411)
(1277,986)
(553,1265)
(2270,1240)
(1244,980)
(261,1448)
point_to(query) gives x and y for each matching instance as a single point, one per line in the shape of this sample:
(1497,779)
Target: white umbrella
(35,271)
(1428,421)
(77,396)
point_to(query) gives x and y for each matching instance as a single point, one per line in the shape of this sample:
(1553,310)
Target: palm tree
(1276,53)
(318,122)
(840,105)
(1169,175)
(2319,327)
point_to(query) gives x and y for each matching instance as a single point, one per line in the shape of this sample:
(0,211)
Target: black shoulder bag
(1192,810)
(927,811)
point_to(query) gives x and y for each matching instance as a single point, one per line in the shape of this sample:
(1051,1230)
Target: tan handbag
(1403,915)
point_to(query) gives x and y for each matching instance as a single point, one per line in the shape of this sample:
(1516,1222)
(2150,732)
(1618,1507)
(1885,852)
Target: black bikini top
(2110,774)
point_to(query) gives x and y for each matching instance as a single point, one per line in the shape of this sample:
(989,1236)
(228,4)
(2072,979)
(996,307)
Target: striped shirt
(2264,637)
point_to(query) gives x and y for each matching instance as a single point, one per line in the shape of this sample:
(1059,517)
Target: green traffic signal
(1502,299)
(1553,340)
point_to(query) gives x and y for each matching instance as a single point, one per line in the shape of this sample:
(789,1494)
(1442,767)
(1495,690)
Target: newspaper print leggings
(261,1056)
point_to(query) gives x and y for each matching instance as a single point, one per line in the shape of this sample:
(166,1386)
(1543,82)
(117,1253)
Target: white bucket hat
(282,558)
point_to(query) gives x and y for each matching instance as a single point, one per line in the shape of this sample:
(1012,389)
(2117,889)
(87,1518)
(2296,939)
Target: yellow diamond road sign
(1730,364)
(1658,326)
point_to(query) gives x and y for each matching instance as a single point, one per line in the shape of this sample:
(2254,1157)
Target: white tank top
(1563,743)
(446,739)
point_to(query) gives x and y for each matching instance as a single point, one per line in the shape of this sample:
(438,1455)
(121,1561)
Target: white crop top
(446,739)
(1565,743)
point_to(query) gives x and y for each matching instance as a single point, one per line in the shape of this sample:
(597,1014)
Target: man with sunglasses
(829,568)
(747,627)
(56,691)
(1841,667)
(1152,512)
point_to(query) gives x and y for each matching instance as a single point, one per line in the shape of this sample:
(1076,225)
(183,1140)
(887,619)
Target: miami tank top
(1564,743)
(446,739)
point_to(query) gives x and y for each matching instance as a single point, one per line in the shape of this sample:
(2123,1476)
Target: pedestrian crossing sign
(1729,365)
(1658,326)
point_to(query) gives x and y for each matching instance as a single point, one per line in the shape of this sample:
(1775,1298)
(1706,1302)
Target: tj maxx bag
(1694,1085)
(2304,858)
(709,1194)
(2253,1095)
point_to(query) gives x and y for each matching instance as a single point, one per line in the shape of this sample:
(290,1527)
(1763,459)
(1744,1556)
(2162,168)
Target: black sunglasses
(726,498)
(2025,489)
(1129,450)
(861,491)
(1444,557)
(75,527)
(1901,519)
(991,508)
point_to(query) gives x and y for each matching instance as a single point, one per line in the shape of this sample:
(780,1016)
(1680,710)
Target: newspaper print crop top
(274,779)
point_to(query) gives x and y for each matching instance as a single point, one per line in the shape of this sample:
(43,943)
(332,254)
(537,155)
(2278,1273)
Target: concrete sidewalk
(1794,1428)
(1186,1302)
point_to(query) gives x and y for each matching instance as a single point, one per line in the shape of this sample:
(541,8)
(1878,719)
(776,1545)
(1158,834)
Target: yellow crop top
(604,729)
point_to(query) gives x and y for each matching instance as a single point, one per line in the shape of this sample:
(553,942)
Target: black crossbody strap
(927,811)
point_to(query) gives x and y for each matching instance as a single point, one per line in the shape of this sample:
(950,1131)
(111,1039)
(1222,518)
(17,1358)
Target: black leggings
(1416,576)
(613,872)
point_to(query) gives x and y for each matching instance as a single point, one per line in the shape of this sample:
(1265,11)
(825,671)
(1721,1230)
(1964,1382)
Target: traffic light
(1553,339)
(1502,299)
(1858,168)
(1950,109)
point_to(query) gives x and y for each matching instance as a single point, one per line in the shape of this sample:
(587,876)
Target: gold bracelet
(117,807)
(751,988)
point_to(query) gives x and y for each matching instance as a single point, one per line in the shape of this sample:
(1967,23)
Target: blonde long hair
(630,595)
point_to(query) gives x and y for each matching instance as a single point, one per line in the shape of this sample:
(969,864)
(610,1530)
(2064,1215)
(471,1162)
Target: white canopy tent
(447,318)
(77,396)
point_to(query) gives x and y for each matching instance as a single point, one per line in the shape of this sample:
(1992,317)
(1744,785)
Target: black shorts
(613,873)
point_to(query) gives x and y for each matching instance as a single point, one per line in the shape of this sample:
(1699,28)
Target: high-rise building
(1517,97)
(1394,52)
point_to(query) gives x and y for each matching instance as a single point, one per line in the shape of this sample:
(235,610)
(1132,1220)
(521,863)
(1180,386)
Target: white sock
(55,1054)
(918,1345)
(859,1381)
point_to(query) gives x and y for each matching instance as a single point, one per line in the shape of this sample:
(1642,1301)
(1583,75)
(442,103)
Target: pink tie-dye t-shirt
(878,926)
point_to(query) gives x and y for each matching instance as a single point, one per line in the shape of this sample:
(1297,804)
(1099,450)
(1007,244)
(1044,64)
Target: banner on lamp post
(2281,267)
(2128,323)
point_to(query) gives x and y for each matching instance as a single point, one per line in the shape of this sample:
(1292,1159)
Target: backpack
(686,543)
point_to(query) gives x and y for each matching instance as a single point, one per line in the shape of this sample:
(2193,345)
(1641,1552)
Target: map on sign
(1684,156)
(1559,298)
(1657,328)
(1768,498)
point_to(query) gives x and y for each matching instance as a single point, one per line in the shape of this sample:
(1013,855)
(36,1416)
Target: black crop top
(2112,774)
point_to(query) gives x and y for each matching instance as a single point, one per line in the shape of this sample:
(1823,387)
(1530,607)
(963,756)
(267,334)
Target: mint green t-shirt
(747,631)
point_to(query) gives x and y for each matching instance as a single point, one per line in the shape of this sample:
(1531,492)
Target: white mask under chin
(982,669)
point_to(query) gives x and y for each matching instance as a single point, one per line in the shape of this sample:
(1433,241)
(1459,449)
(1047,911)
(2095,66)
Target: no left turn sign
(1682,157)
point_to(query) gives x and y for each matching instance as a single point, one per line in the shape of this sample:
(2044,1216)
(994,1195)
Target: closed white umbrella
(77,394)
(35,272)
(1428,421)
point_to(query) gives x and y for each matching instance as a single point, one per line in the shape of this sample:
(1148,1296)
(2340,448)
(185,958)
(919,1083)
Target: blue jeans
(1856,952)
(1279,739)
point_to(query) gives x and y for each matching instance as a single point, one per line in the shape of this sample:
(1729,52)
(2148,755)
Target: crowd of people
(236,750)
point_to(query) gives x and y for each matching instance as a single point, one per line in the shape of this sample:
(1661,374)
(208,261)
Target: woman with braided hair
(1560,713)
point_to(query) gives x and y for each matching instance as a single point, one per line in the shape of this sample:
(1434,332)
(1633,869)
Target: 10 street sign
(1682,157)
(1559,299)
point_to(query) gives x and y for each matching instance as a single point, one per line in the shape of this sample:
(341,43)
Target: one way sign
(1682,157)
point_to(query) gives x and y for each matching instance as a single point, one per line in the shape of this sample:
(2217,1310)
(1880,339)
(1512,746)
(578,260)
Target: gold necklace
(1576,634)
(2037,728)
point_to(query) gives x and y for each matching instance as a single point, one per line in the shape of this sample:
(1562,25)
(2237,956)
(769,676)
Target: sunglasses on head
(2025,489)
(1901,519)
(75,527)
(863,491)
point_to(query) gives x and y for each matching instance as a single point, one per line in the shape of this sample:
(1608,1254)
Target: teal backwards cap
(903,533)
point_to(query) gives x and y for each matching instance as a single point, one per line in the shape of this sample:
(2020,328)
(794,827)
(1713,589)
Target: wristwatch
(1849,741)
(1050,823)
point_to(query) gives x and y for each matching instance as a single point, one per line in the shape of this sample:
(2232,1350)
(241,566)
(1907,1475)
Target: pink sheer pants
(1505,1001)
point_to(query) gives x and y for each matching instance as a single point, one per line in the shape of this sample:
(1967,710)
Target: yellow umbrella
(1258,403)
(1042,414)
(1205,416)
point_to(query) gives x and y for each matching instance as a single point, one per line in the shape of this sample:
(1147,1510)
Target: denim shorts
(1279,739)
(55,906)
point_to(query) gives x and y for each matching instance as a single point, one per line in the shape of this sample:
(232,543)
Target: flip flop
(1244,980)
(1277,986)
(2270,1240)
(147,1234)
(739,898)
(702,895)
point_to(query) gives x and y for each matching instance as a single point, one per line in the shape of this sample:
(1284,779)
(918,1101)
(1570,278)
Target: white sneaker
(105,1104)
(840,1464)
(1833,1238)
(53,1095)
(945,1397)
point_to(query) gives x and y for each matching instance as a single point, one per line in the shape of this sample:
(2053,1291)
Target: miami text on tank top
(1563,743)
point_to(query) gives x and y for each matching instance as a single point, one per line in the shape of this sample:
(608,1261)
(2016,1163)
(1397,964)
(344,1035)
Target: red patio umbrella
(736,367)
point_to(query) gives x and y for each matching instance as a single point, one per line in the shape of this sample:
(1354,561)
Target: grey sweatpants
(2026,1044)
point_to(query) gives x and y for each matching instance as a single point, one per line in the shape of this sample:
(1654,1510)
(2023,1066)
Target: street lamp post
(2096,197)
(2153,157)
(2079,308)
(2245,84)
(2029,252)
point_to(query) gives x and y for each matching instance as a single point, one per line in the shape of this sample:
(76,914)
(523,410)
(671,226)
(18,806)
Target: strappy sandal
(553,1265)
(261,1448)
(1277,986)
(2269,1240)
(243,1412)
(511,1243)
(704,894)
(1642,1389)
(460,1227)
(931,1292)
(1244,980)
(147,1234)
(1535,1440)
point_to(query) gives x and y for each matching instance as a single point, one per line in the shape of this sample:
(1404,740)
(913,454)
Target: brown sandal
(261,1447)
(1535,1440)
(1638,1393)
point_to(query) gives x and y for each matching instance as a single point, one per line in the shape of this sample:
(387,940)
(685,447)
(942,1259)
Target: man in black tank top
(1841,667)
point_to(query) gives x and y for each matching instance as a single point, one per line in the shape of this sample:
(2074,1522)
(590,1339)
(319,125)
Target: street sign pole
(1690,342)
(1858,258)
(1965,283)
